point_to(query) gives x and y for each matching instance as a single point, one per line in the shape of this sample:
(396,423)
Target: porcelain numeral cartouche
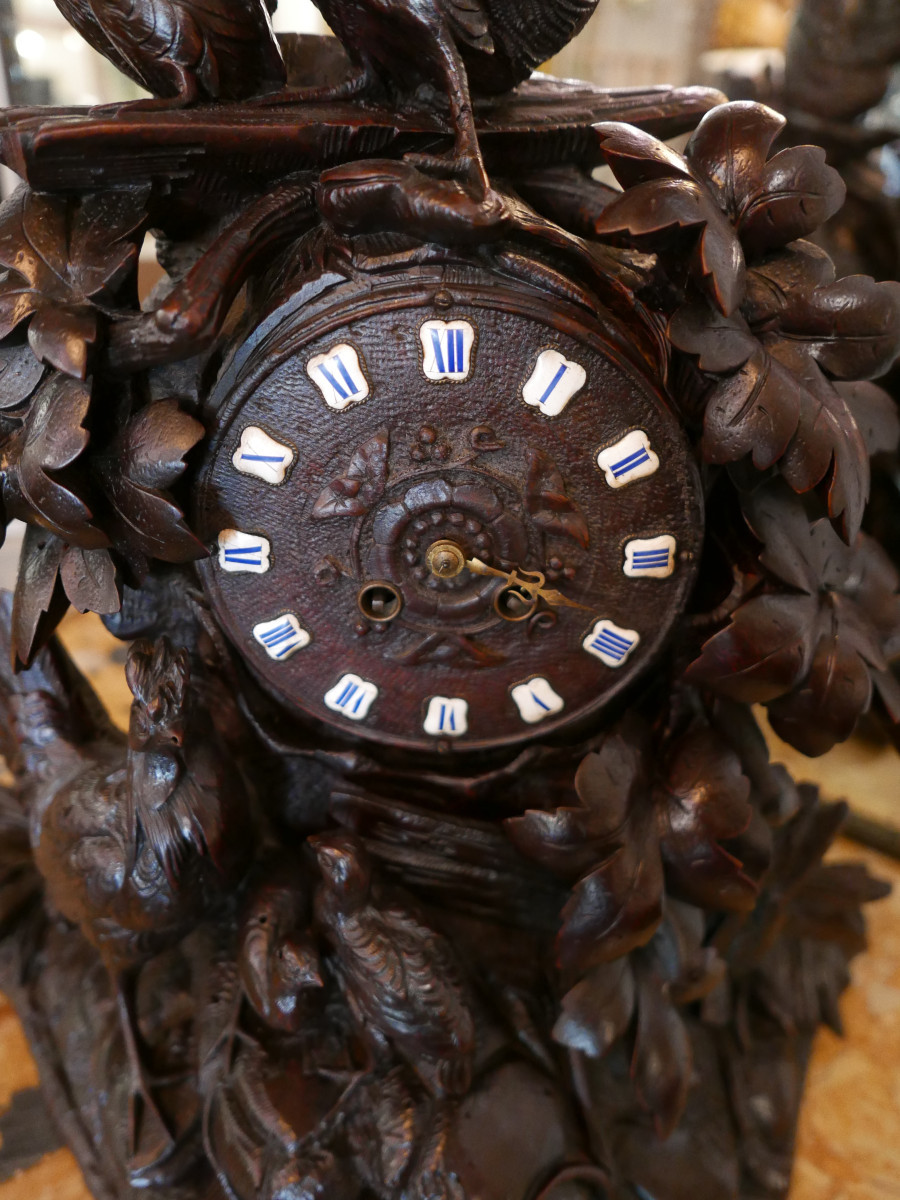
(243,552)
(339,376)
(447,717)
(553,383)
(651,558)
(610,643)
(352,696)
(282,637)
(628,460)
(447,348)
(536,700)
(260,455)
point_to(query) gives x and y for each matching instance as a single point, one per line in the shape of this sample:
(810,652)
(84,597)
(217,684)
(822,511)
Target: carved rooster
(399,44)
(134,842)
(400,977)
(185,50)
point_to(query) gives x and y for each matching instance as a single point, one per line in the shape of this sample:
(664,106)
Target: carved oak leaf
(662,193)
(63,256)
(813,654)
(548,503)
(361,486)
(50,440)
(135,471)
(770,203)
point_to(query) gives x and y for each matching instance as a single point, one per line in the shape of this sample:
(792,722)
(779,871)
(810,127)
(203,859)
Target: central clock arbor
(445,509)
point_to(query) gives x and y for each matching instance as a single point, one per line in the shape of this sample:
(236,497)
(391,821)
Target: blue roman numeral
(624,465)
(651,559)
(611,644)
(554,383)
(246,556)
(284,636)
(454,356)
(448,719)
(346,388)
(350,693)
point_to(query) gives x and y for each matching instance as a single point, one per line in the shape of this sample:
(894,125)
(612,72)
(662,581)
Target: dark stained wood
(458,509)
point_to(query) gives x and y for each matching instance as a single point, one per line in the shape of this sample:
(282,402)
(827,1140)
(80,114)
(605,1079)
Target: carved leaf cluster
(94,512)
(770,328)
(65,259)
(637,832)
(639,997)
(818,638)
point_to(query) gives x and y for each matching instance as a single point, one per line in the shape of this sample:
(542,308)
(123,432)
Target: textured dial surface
(359,433)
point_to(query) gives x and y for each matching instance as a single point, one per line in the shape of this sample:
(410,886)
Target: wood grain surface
(849,1145)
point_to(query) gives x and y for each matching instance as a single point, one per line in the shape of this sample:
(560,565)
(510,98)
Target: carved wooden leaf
(61,254)
(598,1010)
(661,205)
(876,415)
(52,438)
(771,202)
(813,654)
(549,504)
(89,579)
(765,651)
(571,840)
(730,147)
(703,801)
(146,458)
(40,602)
(663,1057)
(20,374)
(636,157)
(851,327)
(798,191)
(361,486)
(774,401)
(826,707)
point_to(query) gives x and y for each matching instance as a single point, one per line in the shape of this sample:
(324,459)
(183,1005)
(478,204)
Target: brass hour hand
(530,582)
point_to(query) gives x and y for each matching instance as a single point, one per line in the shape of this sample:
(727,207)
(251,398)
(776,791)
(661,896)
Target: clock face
(445,518)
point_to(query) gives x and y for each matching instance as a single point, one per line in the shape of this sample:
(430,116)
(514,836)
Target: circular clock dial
(445,518)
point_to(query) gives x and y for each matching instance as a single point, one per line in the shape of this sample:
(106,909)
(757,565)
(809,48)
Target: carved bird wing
(526,33)
(227,46)
(469,22)
(414,979)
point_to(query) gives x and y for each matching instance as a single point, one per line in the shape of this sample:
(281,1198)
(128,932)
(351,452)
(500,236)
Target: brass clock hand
(446,560)
(522,580)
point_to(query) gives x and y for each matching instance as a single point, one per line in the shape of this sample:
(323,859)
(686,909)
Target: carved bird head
(158,676)
(345,866)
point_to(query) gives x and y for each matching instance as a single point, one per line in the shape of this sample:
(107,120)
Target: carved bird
(134,841)
(185,50)
(278,959)
(398,44)
(400,978)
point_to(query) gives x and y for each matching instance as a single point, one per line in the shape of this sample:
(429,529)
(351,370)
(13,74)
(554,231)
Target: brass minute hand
(531,582)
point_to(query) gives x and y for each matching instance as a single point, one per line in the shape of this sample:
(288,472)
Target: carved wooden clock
(446,512)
